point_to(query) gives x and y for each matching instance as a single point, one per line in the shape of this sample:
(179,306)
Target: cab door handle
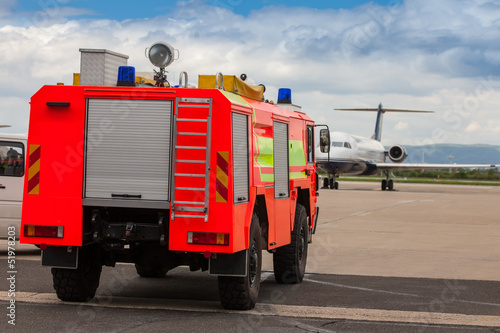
(2,186)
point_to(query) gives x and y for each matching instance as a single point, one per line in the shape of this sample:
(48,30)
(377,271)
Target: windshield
(11,159)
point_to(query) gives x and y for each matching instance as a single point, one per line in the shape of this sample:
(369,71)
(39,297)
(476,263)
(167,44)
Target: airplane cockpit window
(337,144)
(347,145)
(11,159)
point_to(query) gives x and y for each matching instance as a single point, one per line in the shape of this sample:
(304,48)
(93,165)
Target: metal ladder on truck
(191,160)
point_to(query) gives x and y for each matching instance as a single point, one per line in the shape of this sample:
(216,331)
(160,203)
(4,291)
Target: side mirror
(324,141)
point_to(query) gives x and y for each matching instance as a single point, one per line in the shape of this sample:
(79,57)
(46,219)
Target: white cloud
(401,126)
(473,127)
(421,55)
(14,113)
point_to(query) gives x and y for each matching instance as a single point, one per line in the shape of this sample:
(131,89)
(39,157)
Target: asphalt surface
(375,266)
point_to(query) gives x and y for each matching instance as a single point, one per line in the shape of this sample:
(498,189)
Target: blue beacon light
(126,76)
(285,96)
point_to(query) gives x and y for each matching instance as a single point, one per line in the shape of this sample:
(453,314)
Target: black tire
(326,182)
(241,293)
(390,185)
(289,261)
(79,285)
(332,183)
(384,184)
(336,185)
(150,271)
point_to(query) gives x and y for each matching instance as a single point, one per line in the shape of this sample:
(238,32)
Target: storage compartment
(128,149)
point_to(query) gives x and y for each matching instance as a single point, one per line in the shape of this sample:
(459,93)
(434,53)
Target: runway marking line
(264,309)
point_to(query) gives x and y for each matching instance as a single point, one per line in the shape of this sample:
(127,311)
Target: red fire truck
(166,176)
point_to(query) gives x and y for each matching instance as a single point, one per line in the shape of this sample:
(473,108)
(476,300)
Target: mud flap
(313,231)
(229,264)
(60,257)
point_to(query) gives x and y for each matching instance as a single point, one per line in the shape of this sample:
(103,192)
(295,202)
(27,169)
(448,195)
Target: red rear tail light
(43,231)
(207,238)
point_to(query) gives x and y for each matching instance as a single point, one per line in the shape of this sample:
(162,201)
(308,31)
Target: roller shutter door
(240,158)
(281,176)
(128,144)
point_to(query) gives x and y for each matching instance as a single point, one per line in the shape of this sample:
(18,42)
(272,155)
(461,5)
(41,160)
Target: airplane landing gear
(387,184)
(330,182)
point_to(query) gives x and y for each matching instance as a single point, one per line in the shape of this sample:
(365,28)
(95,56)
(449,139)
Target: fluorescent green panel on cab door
(297,158)
(264,159)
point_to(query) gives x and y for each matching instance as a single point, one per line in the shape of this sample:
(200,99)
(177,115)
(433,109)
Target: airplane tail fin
(377,135)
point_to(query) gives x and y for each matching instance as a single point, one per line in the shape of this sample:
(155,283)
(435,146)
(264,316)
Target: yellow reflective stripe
(237,99)
(267,177)
(297,175)
(34,169)
(222,185)
(222,177)
(35,190)
(297,156)
(219,198)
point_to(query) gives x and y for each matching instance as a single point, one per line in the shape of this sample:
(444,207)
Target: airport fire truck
(163,176)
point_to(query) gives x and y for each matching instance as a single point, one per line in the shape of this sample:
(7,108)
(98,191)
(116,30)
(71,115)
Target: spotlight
(160,54)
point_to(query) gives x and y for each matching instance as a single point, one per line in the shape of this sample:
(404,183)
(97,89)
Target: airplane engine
(397,154)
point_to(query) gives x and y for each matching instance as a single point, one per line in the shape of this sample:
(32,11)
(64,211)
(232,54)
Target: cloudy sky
(412,54)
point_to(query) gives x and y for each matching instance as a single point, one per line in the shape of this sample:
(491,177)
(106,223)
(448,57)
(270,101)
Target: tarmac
(416,231)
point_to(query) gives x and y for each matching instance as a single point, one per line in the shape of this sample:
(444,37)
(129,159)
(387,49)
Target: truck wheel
(150,271)
(241,293)
(79,285)
(290,260)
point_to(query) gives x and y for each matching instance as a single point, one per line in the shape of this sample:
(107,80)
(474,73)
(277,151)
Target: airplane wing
(385,110)
(429,166)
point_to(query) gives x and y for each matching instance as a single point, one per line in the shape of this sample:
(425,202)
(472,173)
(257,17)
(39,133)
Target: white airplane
(339,152)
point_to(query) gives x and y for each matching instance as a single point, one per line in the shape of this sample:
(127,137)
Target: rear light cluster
(207,238)
(43,231)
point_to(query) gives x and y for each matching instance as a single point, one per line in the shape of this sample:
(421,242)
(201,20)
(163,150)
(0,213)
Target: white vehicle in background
(12,164)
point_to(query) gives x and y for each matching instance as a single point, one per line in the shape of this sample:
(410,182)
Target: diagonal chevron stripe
(34,169)
(222,183)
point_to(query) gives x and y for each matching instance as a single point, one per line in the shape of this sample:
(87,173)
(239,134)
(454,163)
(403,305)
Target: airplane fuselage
(351,154)
(356,155)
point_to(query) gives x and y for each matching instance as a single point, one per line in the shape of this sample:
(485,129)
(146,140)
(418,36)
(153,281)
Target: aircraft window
(347,145)
(11,159)
(337,144)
